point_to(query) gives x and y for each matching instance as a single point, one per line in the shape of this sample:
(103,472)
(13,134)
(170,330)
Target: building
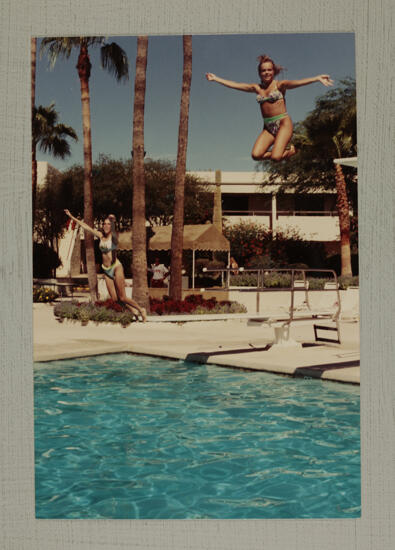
(312,215)
(44,169)
(241,197)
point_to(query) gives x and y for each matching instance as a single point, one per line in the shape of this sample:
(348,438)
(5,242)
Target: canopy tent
(349,161)
(125,240)
(196,237)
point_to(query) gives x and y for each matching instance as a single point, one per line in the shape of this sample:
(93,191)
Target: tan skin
(116,287)
(265,140)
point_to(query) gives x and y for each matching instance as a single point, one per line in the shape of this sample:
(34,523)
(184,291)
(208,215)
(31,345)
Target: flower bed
(112,312)
(99,312)
(44,294)
(194,303)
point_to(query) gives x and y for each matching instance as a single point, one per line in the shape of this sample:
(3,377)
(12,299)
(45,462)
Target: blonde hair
(266,59)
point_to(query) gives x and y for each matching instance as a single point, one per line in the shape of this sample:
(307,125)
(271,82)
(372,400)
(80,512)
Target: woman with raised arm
(277,128)
(112,267)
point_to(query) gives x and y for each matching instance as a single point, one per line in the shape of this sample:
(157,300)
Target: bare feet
(144,314)
(289,152)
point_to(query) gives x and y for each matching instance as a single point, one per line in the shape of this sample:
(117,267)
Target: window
(235,204)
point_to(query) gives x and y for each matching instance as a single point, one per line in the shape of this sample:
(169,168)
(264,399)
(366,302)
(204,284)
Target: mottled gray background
(372,21)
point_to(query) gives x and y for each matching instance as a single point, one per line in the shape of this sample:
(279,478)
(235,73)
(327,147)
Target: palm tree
(342,142)
(114,59)
(139,238)
(33,54)
(178,219)
(51,137)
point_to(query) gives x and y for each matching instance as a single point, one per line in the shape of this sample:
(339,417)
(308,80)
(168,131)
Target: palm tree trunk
(33,43)
(178,219)
(84,68)
(344,222)
(139,237)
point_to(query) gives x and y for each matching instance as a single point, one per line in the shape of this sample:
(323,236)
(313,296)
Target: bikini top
(105,246)
(274,96)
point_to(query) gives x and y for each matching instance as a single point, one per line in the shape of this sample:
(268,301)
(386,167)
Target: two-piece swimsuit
(272,124)
(104,248)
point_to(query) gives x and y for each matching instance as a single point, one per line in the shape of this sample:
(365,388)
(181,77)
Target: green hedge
(283,280)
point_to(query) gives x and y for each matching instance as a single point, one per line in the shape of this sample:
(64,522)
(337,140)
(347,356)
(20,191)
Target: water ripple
(155,439)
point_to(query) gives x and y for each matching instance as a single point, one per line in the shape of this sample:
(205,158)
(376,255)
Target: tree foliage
(50,135)
(113,195)
(328,132)
(255,246)
(115,61)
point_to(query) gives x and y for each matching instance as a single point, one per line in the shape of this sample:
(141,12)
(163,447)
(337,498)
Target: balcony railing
(280,213)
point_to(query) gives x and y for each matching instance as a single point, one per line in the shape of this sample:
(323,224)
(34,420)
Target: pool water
(123,436)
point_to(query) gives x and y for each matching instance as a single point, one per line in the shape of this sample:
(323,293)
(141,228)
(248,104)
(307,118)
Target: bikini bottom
(110,270)
(272,124)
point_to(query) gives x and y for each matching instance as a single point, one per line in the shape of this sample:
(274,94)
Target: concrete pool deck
(227,343)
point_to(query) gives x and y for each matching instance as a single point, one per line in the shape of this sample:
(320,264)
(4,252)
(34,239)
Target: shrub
(83,314)
(66,310)
(317,283)
(100,312)
(245,279)
(250,240)
(45,260)
(277,280)
(232,307)
(346,281)
(261,262)
(44,294)
(195,304)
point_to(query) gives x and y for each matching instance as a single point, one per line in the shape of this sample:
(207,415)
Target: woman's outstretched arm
(243,87)
(289,84)
(84,225)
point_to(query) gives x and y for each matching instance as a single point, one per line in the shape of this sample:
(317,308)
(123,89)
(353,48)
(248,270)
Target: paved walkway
(227,343)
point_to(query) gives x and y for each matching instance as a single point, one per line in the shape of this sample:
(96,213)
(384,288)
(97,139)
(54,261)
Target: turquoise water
(123,436)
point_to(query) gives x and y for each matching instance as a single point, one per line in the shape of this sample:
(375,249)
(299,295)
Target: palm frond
(114,59)
(62,130)
(56,146)
(57,47)
(50,136)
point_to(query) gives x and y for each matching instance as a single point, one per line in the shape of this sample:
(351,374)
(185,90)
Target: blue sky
(223,123)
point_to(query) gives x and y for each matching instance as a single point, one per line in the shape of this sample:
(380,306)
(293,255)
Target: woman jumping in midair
(277,129)
(112,267)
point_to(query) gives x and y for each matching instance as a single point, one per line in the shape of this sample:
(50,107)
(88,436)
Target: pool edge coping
(328,376)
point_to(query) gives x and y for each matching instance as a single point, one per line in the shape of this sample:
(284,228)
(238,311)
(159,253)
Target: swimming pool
(123,436)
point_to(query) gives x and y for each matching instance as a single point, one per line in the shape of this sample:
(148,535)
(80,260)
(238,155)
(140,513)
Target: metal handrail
(261,274)
(281,212)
